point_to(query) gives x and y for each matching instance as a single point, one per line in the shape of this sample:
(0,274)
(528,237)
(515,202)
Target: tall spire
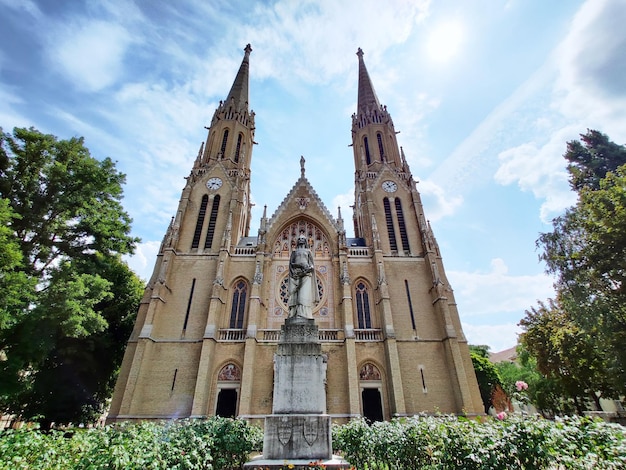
(239,91)
(367,95)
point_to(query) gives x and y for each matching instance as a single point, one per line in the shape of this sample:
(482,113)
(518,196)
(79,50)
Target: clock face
(214,183)
(389,186)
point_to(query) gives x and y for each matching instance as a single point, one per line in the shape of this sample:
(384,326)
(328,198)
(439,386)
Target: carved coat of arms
(284,430)
(309,429)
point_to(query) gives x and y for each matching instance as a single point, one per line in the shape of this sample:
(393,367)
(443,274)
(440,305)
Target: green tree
(591,158)
(16,288)
(486,374)
(567,354)
(63,346)
(577,338)
(543,393)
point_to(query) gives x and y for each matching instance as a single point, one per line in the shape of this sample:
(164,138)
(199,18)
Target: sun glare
(445,41)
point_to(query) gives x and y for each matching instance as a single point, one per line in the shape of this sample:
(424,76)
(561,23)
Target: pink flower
(501,415)
(521,385)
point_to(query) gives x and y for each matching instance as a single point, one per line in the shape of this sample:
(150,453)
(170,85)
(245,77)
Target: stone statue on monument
(303,293)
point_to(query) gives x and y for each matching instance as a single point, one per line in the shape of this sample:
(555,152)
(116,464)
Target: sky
(485,94)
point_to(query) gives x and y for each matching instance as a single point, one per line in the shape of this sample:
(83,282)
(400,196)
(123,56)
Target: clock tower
(210,319)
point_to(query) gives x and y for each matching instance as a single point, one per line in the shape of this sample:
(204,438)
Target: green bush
(218,443)
(446,442)
(424,442)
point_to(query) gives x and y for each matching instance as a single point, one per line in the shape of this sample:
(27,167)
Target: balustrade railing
(232,334)
(368,334)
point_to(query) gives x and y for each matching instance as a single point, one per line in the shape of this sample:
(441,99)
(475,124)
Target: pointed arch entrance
(228,386)
(370,382)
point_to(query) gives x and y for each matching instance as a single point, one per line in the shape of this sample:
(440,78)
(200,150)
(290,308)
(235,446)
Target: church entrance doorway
(372,404)
(227,403)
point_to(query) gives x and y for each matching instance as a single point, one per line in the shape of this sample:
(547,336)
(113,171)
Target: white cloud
(28,6)
(592,67)
(311,40)
(498,337)
(497,293)
(540,170)
(345,201)
(437,202)
(142,262)
(90,54)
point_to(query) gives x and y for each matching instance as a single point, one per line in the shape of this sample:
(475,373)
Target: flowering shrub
(218,443)
(447,442)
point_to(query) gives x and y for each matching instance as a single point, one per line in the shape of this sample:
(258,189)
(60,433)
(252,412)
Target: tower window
(391,231)
(379,137)
(200,222)
(364,317)
(224,142)
(403,235)
(368,157)
(238,309)
(212,220)
(238,148)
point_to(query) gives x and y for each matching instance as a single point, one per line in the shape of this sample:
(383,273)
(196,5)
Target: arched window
(238,148)
(212,220)
(238,308)
(403,235)
(200,222)
(224,142)
(363,315)
(368,157)
(379,137)
(391,231)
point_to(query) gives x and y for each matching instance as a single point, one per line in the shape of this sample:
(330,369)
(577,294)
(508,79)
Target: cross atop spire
(367,96)
(239,91)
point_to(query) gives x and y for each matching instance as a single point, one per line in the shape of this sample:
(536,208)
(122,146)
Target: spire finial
(238,95)
(367,99)
(302,160)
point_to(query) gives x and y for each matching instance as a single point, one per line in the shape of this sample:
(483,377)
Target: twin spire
(238,95)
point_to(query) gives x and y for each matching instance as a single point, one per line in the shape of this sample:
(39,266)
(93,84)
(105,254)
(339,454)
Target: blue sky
(485,93)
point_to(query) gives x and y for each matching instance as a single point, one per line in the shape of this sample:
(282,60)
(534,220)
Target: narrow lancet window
(238,309)
(364,317)
(200,222)
(208,242)
(403,234)
(224,142)
(379,137)
(391,231)
(368,157)
(238,148)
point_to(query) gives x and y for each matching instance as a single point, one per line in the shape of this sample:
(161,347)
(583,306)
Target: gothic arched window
(363,314)
(238,308)
(368,157)
(224,142)
(200,222)
(212,220)
(391,231)
(238,148)
(379,137)
(403,235)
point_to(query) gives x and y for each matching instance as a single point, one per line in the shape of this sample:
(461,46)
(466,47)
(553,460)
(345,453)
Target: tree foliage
(486,374)
(62,335)
(577,338)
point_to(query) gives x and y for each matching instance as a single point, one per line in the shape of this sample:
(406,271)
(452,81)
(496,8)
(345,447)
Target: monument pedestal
(298,430)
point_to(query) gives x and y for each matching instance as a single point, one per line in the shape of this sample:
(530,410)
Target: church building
(210,320)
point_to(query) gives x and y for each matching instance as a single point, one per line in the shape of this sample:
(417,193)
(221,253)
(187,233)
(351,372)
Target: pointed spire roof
(367,95)
(239,91)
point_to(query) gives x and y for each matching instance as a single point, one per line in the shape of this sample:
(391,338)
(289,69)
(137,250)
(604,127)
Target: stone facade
(209,323)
